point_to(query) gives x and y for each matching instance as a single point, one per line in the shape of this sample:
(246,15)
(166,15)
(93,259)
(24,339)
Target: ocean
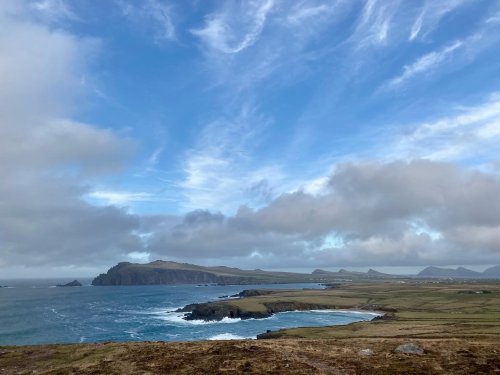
(36,312)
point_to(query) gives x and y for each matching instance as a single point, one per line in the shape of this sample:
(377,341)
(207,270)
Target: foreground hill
(286,356)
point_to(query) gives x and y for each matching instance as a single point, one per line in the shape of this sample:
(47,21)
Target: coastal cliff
(163,272)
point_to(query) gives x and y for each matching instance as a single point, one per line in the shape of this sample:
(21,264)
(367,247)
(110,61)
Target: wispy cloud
(469,133)
(121,198)
(152,14)
(220,168)
(424,64)
(232,32)
(374,23)
(53,10)
(432,12)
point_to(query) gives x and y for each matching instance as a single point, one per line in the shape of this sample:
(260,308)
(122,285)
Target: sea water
(36,312)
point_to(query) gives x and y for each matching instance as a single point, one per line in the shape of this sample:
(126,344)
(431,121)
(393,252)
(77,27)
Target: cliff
(162,272)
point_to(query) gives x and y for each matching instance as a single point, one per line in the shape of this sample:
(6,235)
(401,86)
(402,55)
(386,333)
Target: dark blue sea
(36,312)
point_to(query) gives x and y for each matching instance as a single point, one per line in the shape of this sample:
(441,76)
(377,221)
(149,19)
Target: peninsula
(167,272)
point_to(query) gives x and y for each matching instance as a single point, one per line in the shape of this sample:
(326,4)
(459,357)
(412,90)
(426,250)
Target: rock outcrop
(409,348)
(215,311)
(72,283)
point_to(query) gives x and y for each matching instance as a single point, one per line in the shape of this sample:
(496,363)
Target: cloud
(44,223)
(219,170)
(452,56)
(430,15)
(468,132)
(121,198)
(424,65)
(398,213)
(235,29)
(153,15)
(48,159)
(374,24)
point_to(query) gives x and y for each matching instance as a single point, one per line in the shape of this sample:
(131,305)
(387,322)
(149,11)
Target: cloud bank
(396,213)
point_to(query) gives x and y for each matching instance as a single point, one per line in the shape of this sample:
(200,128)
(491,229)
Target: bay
(36,312)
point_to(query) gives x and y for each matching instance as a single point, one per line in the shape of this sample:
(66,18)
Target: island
(70,284)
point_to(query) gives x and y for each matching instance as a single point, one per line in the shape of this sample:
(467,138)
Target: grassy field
(423,310)
(457,325)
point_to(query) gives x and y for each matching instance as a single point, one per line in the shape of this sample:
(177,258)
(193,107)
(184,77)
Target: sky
(260,134)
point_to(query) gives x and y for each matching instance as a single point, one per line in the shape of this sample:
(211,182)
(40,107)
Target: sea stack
(73,283)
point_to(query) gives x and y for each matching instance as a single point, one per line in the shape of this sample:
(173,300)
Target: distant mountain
(371,273)
(460,272)
(492,271)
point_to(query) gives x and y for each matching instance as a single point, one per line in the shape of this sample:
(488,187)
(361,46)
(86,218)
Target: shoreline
(268,302)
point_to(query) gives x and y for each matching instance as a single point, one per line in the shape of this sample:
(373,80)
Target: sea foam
(229,336)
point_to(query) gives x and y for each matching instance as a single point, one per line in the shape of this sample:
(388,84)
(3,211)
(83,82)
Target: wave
(348,312)
(229,336)
(178,318)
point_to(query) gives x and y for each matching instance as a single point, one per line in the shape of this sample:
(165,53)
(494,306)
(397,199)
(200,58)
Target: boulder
(409,348)
(365,352)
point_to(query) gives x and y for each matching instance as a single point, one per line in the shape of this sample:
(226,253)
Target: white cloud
(374,24)
(234,30)
(121,198)
(219,170)
(53,10)
(151,15)
(423,65)
(467,133)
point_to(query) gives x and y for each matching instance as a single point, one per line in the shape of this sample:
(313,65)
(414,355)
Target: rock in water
(409,348)
(73,283)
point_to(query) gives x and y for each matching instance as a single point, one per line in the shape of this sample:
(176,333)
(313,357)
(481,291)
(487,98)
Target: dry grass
(255,357)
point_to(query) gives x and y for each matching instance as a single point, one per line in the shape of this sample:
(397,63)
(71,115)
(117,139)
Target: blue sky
(238,131)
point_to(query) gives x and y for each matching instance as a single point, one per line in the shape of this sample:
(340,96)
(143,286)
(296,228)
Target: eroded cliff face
(132,274)
(137,276)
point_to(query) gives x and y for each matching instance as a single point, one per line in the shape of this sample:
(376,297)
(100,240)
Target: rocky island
(70,284)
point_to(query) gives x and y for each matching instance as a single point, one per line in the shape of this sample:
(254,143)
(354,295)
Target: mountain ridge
(161,272)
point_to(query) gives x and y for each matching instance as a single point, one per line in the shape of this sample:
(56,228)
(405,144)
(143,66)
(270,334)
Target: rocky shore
(218,310)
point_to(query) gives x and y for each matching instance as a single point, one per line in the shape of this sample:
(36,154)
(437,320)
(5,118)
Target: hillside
(164,272)
(460,272)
